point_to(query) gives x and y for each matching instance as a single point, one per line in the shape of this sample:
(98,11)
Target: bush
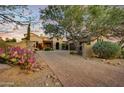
(105,49)
(122,53)
(11,40)
(17,56)
(4,46)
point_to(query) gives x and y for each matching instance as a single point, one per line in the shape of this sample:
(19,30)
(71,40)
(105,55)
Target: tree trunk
(28,37)
(78,49)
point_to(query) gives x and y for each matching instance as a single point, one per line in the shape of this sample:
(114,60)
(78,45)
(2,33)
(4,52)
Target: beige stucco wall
(87,49)
(21,44)
(36,38)
(60,41)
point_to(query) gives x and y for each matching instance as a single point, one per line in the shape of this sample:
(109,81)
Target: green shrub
(4,45)
(105,49)
(11,40)
(122,53)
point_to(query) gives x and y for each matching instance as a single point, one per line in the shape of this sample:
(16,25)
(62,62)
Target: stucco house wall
(37,38)
(21,44)
(56,40)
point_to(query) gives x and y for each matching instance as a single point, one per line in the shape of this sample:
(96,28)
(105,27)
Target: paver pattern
(75,71)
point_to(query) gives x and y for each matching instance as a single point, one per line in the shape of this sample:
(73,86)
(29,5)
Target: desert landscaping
(62,46)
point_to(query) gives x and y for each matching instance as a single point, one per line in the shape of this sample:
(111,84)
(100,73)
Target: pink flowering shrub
(2,56)
(1,51)
(19,56)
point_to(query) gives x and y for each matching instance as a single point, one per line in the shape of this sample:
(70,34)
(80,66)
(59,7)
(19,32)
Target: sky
(35,10)
(6,31)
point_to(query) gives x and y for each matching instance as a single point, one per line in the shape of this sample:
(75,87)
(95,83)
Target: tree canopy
(81,23)
(14,14)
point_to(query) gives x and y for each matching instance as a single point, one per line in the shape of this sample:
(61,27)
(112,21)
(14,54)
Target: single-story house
(41,42)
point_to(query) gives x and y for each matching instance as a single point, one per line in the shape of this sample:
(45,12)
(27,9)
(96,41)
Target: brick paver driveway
(75,71)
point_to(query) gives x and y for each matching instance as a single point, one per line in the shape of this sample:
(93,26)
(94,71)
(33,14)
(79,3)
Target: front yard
(59,68)
(16,77)
(23,67)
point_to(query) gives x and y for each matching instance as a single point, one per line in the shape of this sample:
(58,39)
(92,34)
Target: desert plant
(4,46)
(2,55)
(105,49)
(23,57)
(11,40)
(17,56)
(122,52)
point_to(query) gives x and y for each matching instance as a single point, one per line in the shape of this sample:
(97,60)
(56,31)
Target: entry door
(57,46)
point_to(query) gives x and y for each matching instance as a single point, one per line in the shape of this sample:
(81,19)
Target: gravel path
(74,70)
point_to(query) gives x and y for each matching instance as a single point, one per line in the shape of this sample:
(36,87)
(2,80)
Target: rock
(108,62)
(119,63)
(46,84)
(54,80)
(37,66)
(27,72)
(57,84)
(114,64)
(4,66)
(103,60)
(48,76)
(86,58)
(41,68)
(36,70)
(53,76)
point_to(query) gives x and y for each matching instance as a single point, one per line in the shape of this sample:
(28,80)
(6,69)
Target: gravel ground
(76,71)
(15,77)
(72,70)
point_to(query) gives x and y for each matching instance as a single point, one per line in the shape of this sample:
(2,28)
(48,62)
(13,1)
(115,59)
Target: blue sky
(35,10)
(19,34)
(35,13)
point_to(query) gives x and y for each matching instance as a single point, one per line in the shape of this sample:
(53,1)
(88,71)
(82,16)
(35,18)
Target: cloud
(6,30)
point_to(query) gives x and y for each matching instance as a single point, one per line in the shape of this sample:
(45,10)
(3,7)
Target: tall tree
(28,32)
(81,23)
(53,30)
(104,19)
(68,18)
